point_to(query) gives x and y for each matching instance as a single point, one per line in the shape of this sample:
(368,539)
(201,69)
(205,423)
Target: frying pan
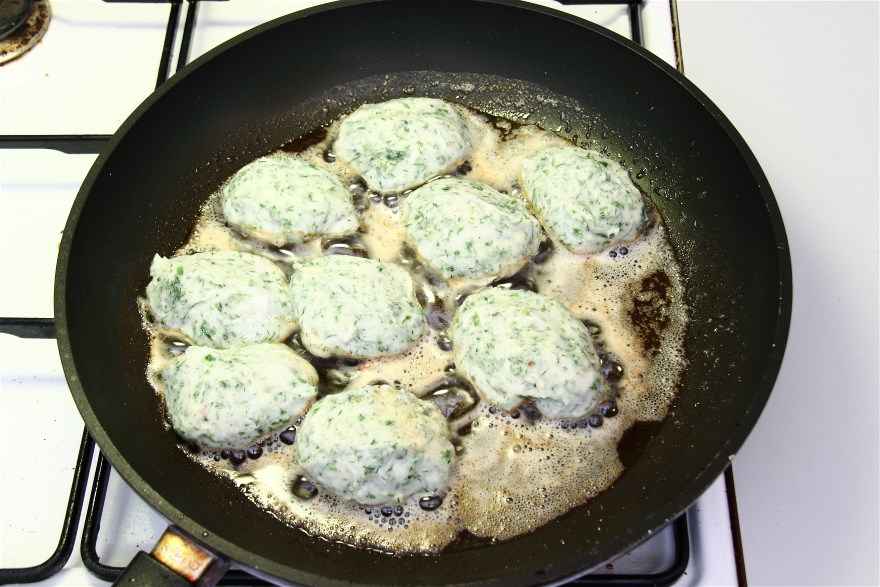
(287,77)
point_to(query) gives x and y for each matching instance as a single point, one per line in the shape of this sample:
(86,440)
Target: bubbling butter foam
(512,473)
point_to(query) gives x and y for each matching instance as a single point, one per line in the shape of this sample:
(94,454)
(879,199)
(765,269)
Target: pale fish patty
(220,299)
(232,398)
(461,228)
(375,445)
(283,199)
(353,307)
(517,345)
(585,201)
(400,144)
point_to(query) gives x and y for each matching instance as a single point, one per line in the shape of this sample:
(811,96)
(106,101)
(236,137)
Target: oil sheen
(512,473)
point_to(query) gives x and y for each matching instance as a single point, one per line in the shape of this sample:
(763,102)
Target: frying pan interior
(295,74)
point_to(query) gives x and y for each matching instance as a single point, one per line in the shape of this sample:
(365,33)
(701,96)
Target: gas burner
(22,24)
(13,13)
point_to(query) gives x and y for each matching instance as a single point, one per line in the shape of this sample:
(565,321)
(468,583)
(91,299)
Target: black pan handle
(28,327)
(145,571)
(177,560)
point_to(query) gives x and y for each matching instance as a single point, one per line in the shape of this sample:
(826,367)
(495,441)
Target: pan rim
(263,566)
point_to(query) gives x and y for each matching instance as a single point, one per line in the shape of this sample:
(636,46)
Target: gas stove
(72,71)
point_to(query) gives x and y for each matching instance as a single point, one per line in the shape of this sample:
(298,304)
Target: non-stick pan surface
(283,79)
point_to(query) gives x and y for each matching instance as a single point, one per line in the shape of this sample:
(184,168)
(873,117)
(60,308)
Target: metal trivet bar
(45,328)
(58,559)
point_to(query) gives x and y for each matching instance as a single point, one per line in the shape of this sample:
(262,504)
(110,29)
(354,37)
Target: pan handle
(176,561)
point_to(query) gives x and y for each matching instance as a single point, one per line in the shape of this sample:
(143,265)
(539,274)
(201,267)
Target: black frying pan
(287,77)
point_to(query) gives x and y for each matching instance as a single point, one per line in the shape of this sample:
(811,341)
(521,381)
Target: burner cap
(22,25)
(13,13)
